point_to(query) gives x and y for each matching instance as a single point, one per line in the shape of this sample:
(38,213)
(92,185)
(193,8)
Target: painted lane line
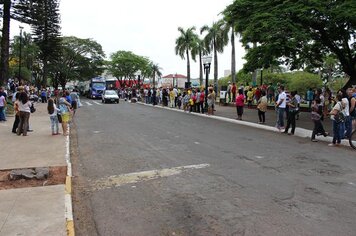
(89,104)
(97,103)
(259,157)
(136,177)
(196,142)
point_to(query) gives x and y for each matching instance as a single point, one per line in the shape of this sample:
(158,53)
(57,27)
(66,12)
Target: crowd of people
(322,103)
(61,106)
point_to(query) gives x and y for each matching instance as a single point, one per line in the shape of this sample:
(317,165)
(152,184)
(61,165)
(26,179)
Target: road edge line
(68,192)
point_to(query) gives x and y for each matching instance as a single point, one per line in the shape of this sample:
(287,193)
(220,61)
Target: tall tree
(5,39)
(184,45)
(124,65)
(79,59)
(156,71)
(46,30)
(199,49)
(215,40)
(297,33)
(29,54)
(230,24)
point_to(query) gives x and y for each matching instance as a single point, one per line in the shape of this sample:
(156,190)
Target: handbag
(340,116)
(32,108)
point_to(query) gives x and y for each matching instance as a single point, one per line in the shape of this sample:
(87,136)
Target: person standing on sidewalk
(281,107)
(310,97)
(64,108)
(175,90)
(25,111)
(262,107)
(352,104)
(233,91)
(336,123)
(240,103)
(292,112)
(17,113)
(4,103)
(52,111)
(2,107)
(316,115)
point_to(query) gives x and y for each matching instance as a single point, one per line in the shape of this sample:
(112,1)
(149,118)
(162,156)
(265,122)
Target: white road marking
(96,132)
(97,103)
(136,177)
(88,103)
(196,142)
(259,157)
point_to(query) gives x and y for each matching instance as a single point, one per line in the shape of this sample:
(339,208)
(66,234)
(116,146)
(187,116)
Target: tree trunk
(200,69)
(215,69)
(254,74)
(44,73)
(233,57)
(188,66)
(4,74)
(352,80)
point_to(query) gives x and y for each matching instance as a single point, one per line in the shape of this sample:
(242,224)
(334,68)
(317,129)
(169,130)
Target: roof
(176,76)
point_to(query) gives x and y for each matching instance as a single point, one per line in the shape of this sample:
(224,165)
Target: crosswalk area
(91,103)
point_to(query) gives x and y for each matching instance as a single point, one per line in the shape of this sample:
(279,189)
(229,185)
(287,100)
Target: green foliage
(185,44)
(297,33)
(80,59)
(25,72)
(215,40)
(302,81)
(45,25)
(124,64)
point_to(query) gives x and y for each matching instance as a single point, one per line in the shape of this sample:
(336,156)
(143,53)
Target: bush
(301,81)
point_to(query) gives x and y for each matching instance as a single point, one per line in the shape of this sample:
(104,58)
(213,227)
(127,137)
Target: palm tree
(184,44)
(156,69)
(230,24)
(199,49)
(215,40)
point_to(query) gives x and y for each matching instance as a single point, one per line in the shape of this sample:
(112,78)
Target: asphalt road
(231,180)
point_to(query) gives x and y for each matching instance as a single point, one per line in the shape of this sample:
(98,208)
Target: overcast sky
(147,28)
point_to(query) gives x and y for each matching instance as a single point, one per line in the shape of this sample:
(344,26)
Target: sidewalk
(304,125)
(28,210)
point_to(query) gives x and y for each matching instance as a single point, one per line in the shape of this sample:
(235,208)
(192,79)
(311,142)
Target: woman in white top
(338,107)
(53,111)
(24,113)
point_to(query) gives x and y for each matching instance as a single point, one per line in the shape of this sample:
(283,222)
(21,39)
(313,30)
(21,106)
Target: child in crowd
(53,111)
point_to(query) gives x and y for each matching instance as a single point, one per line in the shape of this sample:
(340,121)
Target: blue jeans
(281,112)
(337,132)
(54,124)
(2,116)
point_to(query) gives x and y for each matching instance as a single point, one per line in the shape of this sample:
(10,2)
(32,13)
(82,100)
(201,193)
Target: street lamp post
(20,56)
(173,80)
(138,74)
(206,62)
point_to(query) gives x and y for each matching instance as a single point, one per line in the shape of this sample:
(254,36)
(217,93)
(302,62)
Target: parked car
(110,96)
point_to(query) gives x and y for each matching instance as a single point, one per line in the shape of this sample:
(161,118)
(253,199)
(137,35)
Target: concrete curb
(68,192)
(299,132)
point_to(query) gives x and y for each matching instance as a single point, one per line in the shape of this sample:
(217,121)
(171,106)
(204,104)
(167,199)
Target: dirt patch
(57,175)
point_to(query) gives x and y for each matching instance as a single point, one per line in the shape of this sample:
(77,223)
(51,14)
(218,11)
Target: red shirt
(240,100)
(233,90)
